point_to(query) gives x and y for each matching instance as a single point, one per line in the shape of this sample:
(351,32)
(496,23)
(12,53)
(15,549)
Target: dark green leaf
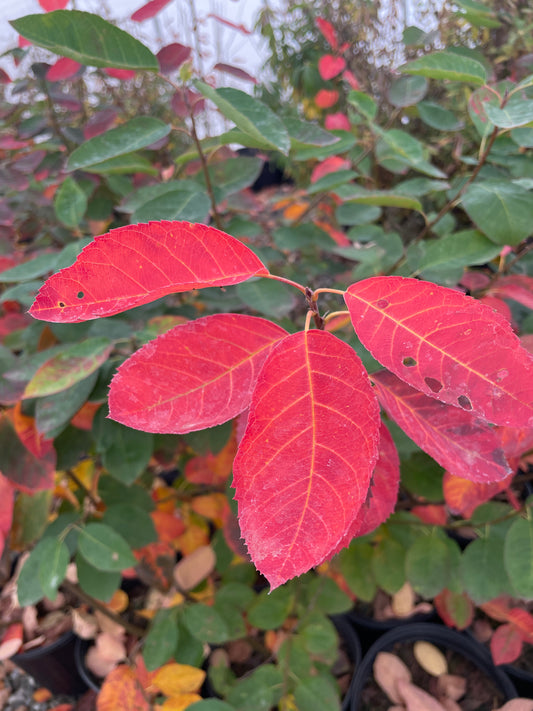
(29,589)
(302,237)
(304,133)
(267,297)
(438,117)
(132,523)
(346,141)
(388,565)
(125,452)
(316,694)
(518,557)
(407,91)
(422,476)
(331,181)
(104,548)
(356,567)
(100,584)
(205,623)
(175,205)
(270,610)
(54,412)
(431,565)
(162,639)
(482,555)
(70,203)
(87,38)
(364,104)
(114,492)
(53,560)
(447,65)
(127,163)
(36,267)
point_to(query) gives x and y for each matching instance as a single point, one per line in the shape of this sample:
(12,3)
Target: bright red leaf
(382,494)
(498,305)
(197,375)
(518,287)
(445,344)
(172,56)
(4,77)
(136,264)
(234,71)
(463,496)
(50,5)
(458,441)
(325,98)
(505,644)
(121,74)
(330,66)
(350,79)
(11,641)
(212,469)
(148,10)
(328,32)
(304,464)
(329,165)
(337,122)
(7,497)
(64,68)
(523,621)
(229,23)
(455,609)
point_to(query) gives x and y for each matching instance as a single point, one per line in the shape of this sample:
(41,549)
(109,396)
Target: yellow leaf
(430,658)
(173,679)
(179,703)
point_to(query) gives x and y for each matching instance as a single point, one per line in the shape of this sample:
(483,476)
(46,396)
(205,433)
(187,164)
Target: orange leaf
(168,526)
(431,513)
(122,690)
(11,641)
(83,419)
(523,621)
(212,469)
(211,506)
(180,703)
(464,496)
(173,679)
(196,535)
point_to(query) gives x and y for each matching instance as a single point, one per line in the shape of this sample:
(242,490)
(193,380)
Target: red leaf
(329,66)
(28,460)
(325,99)
(149,10)
(382,494)
(11,641)
(197,375)
(330,165)
(328,32)
(457,440)
(431,513)
(4,77)
(234,71)
(351,79)
(505,644)
(304,464)
(455,609)
(64,68)
(172,56)
(7,497)
(518,287)
(498,608)
(49,5)
(498,305)
(137,264)
(23,42)
(186,99)
(445,344)
(337,122)
(119,73)
(99,123)
(212,469)
(523,621)
(463,496)
(122,689)
(228,23)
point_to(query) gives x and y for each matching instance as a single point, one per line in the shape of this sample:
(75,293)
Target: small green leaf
(514,114)
(125,452)
(431,565)
(205,623)
(162,639)
(249,115)
(53,560)
(132,523)
(100,584)
(364,104)
(346,141)
(175,205)
(356,567)
(70,203)
(518,557)
(500,209)
(124,164)
(270,610)
(388,565)
(316,694)
(30,515)
(398,150)
(54,412)
(76,362)
(87,38)
(268,297)
(331,181)
(385,198)
(105,548)
(29,588)
(447,65)
(304,133)
(422,476)
(36,267)
(438,117)
(479,556)
(407,90)
(133,135)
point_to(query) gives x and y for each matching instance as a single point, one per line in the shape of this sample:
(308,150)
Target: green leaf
(36,267)
(162,639)
(249,115)
(304,133)
(250,693)
(132,523)
(70,203)
(231,175)
(388,565)
(346,141)
(137,133)
(54,412)
(175,205)
(316,694)
(385,198)
(105,548)
(125,452)
(268,297)
(518,557)
(356,567)
(113,492)
(236,594)
(363,103)
(212,705)
(500,209)
(431,565)
(416,187)
(422,476)
(352,213)
(87,38)
(29,588)
(323,594)
(63,527)
(76,362)
(523,137)
(30,514)
(128,163)
(407,91)
(398,150)
(479,556)
(438,117)
(205,623)
(270,610)
(100,584)
(514,114)
(443,260)
(447,65)
(302,237)
(319,637)
(331,181)
(53,560)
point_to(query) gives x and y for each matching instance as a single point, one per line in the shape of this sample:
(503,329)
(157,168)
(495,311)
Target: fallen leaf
(451,685)
(403,601)
(416,699)
(194,568)
(173,679)
(389,670)
(430,658)
(517,705)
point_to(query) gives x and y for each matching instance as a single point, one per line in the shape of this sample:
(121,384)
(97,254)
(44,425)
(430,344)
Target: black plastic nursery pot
(442,637)
(53,666)
(349,636)
(370,630)
(80,650)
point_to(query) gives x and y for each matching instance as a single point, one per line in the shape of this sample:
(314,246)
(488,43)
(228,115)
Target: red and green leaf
(304,464)
(199,374)
(458,441)
(28,460)
(137,264)
(446,344)
(505,644)
(455,609)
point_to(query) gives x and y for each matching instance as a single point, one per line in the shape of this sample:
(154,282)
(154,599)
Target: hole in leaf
(61,305)
(409,362)
(382,304)
(464,402)
(433,384)
(80,294)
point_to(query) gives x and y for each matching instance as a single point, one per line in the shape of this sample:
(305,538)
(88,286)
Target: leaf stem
(70,475)
(332,315)
(275,277)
